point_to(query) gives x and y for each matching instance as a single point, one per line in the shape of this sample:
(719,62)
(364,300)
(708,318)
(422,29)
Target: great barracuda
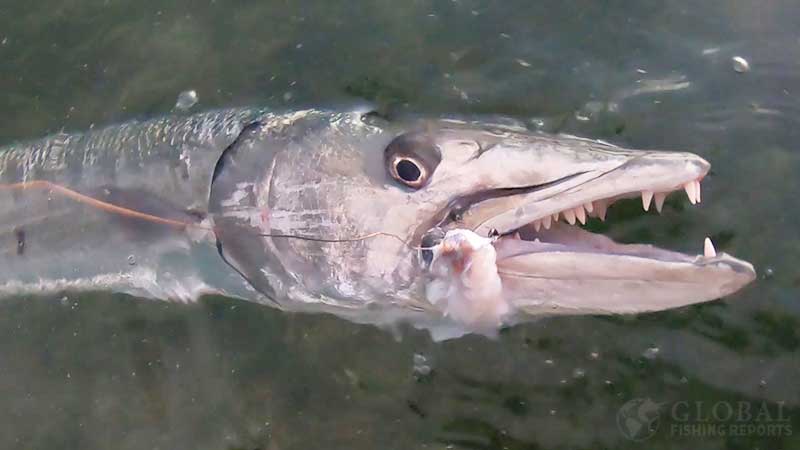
(456,226)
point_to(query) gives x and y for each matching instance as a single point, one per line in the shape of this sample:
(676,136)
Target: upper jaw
(651,175)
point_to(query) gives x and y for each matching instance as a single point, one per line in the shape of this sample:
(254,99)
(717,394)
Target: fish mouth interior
(562,237)
(561,232)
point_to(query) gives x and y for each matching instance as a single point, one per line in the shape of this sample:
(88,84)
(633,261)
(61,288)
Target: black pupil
(408,171)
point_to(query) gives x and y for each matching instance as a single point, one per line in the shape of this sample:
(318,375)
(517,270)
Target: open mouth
(559,232)
(536,258)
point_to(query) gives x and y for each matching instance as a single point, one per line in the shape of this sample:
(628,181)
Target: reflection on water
(105,371)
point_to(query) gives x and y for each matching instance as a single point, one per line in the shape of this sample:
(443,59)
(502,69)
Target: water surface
(109,371)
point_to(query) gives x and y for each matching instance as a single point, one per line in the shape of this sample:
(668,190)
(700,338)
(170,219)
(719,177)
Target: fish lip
(580,241)
(721,261)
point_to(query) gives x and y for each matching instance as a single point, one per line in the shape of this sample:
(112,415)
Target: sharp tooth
(697,190)
(555,217)
(569,214)
(517,236)
(537,225)
(690,192)
(708,249)
(589,207)
(546,222)
(601,207)
(647,197)
(660,196)
(580,213)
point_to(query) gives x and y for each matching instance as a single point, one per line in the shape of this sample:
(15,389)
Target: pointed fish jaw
(597,283)
(541,181)
(651,175)
(568,270)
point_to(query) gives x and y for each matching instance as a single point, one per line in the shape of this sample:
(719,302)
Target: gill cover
(238,206)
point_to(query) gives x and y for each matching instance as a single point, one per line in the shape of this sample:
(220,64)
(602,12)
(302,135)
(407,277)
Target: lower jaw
(572,239)
(569,270)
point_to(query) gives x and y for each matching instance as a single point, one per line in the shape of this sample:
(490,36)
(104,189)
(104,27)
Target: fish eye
(411,159)
(408,172)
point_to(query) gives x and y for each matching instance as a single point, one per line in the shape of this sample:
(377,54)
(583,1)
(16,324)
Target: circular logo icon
(638,419)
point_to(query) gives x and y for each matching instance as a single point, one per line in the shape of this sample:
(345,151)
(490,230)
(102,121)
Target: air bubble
(740,65)
(537,123)
(651,353)
(131,260)
(589,110)
(186,100)
(422,367)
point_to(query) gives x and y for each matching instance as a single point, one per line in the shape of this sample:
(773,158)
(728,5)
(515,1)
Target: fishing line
(318,239)
(93,202)
(128,212)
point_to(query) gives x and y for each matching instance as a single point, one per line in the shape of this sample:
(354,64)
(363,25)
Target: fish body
(347,213)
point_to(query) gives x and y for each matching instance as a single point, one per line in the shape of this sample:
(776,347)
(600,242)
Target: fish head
(468,223)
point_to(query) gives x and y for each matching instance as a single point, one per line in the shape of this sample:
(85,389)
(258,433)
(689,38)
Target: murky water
(109,371)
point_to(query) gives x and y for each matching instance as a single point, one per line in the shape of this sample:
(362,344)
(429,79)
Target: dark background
(106,371)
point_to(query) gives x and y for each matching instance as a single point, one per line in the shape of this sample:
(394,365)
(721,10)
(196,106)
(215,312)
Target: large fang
(697,190)
(691,192)
(601,207)
(580,214)
(660,197)
(569,214)
(708,249)
(589,207)
(546,222)
(647,197)
(537,225)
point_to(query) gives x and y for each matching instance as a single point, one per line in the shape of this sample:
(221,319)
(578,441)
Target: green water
(113,372)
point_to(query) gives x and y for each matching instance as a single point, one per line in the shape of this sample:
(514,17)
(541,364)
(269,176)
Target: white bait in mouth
(464,282)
